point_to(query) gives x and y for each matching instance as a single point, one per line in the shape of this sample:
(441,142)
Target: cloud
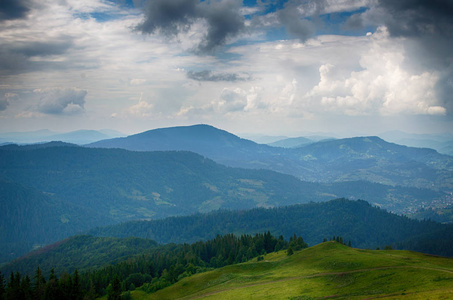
(207,75)
(427,27)
(383,85)
(223,20)
(29,49)
(6,99)
(14,9)
(422,17)
(232,100)
(141,109)
(138,82)
(301,28)
(56,101)
(169,16)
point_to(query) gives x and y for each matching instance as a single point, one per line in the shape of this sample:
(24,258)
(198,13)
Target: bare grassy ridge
(326,270)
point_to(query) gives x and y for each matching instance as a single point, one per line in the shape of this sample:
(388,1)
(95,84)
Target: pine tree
(114,289)
(39,285)
(290,251)
(76,287)
(2,287)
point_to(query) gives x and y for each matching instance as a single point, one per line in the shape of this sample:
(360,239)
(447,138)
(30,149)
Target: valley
(164,190)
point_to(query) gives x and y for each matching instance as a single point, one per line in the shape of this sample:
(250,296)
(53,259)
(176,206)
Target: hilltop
(360,158)
(329,269)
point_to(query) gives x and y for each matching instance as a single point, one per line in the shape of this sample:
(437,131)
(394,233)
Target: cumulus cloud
(58,101)
(384,85)
(170,17)
(207,75)
(427,26)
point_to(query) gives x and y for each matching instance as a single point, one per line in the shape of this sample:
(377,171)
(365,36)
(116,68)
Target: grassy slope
(326,270)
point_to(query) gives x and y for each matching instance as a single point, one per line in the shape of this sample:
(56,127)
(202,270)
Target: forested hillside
(130,263)
(357,221)
(73,189)
(30,218)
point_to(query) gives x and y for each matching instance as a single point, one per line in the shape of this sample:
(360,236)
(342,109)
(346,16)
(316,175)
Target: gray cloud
(13,9)
(57,101)
(294,25)
(419,17)
(6,99)
(430,24)
(4,102)
(43,48)
(207,75)
(14,57)
(224,21)
(170,17)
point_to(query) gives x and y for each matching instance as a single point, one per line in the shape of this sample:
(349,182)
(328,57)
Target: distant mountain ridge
(206,140)
(79,137)
(359,158)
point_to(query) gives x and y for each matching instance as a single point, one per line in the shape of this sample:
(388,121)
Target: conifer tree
(2,287)
(39,284)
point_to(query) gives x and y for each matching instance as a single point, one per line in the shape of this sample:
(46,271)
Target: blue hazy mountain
(79,137)
(360,158)
(51,191)
(292,142)
(443,143)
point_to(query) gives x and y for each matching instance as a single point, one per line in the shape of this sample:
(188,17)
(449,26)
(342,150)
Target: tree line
(152,270)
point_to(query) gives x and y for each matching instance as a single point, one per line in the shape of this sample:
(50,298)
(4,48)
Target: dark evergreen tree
(52,287)
(39,285)
(25,288)
(114,289)
(2,287)
(13,287)
(290,251)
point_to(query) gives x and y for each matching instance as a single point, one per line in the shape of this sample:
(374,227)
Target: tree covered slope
(356,221)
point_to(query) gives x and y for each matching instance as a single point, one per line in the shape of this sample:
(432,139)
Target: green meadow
(327,270)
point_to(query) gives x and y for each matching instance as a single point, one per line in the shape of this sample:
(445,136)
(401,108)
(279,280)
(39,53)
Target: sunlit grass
(326,270)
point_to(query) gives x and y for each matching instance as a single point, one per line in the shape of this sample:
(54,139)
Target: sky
(350,67)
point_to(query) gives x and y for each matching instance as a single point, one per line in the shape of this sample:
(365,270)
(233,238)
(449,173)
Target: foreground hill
(356,221)
(361,158)
(328,270)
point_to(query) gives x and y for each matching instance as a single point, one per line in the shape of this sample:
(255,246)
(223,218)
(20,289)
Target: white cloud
(138,81)
(141,109)
(383,85)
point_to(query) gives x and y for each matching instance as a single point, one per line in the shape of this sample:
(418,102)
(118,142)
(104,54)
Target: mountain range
(360,158)
(53,190)
(75,137)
